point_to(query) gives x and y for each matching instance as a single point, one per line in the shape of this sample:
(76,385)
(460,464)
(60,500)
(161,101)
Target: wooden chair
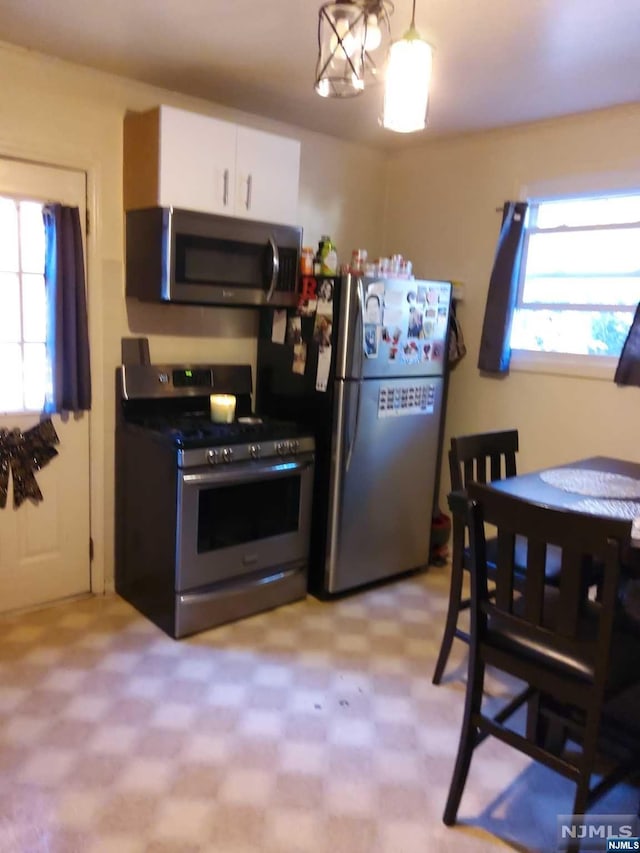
(482,458)
(567,649)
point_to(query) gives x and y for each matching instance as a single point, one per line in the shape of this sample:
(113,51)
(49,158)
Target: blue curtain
(495,349)
(628,369)
(67,329)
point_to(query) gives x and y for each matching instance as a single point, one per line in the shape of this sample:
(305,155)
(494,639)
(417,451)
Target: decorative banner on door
(25,453)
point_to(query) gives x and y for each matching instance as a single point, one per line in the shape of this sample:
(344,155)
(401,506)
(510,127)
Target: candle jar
(223,408)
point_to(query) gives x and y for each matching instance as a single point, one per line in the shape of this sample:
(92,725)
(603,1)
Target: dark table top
(532,487)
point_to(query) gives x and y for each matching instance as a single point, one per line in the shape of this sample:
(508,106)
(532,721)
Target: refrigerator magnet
(371,338)
(279,326)
(322,329)
(294,331)
(414,329)
(393,316)
(373,308)
(410,352)
(299,357)
(306,307)
(322,373)
(325,297)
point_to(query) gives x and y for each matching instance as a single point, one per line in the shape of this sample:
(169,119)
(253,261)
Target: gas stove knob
(254,451)
(282,448)
(294,446)
(212,457)
(227,454)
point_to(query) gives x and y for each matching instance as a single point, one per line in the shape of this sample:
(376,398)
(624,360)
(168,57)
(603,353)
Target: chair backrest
(482,457)
(553,624)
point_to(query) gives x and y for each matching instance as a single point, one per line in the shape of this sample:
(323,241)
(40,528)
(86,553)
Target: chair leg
(473,702)
(455,594)
(587,762)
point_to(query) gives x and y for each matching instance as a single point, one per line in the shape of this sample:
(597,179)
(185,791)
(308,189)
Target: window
(580,275)
(24,372)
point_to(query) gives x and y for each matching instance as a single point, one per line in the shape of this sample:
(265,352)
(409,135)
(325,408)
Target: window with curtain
(579,282)
(25,374)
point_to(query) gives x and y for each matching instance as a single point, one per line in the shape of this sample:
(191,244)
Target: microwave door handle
(275,267)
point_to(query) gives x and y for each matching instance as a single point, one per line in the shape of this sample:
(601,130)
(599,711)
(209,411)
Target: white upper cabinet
(182,159)
(267,176)
(196,163)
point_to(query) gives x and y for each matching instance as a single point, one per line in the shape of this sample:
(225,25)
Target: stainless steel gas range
(212,520)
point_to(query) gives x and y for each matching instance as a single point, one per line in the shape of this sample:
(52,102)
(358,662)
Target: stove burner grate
(198,432)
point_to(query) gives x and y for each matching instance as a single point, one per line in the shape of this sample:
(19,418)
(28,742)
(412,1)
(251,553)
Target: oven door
(241,518)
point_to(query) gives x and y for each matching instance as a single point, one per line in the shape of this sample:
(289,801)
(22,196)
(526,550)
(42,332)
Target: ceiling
(496,62)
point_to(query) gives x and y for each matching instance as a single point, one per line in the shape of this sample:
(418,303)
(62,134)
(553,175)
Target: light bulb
(374,34)
(349,43)
(407,84)
(322,87)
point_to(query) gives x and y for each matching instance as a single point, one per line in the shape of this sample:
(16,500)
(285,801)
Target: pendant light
(407,82)
(349,31)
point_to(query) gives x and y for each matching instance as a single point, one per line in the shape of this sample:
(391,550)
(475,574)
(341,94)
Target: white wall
(57,113)
(441,201)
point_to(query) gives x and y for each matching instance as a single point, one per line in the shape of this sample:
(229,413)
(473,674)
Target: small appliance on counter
(212,518)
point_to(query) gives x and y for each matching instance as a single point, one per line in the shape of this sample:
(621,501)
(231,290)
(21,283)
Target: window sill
(562,364)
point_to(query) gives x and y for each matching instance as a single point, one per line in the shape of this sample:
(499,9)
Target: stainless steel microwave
(199,258)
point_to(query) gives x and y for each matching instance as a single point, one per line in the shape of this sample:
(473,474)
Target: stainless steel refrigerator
(373,387)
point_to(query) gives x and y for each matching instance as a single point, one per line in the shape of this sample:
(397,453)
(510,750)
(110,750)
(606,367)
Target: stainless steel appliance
(177,255)
(378,424)
(212,520)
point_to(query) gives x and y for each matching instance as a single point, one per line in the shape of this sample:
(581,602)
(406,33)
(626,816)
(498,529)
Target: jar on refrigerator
(306,261)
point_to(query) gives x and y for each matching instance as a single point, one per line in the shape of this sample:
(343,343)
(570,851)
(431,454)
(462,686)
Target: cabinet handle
(249,185)
(225,188)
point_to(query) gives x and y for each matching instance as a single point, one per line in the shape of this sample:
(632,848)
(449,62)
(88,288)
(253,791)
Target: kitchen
(449,195)
(435,204)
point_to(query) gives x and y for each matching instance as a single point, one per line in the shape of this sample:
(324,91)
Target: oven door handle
(253,471)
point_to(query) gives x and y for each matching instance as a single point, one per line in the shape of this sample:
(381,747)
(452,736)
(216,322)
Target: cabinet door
(267,175)
(197,156)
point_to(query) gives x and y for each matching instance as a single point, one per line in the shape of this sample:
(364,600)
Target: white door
(197,157)
(44,547)
(267,177)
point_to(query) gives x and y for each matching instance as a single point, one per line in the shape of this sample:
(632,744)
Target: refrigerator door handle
(360,349)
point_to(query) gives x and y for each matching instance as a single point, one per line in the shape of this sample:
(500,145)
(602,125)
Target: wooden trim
(141,159)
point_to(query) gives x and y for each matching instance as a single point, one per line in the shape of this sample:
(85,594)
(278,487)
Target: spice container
(306,261)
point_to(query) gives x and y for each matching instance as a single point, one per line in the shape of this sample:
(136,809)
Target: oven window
(236,514)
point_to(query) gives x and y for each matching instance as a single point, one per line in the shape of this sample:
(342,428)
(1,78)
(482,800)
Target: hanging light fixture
(407,82)
(349,31)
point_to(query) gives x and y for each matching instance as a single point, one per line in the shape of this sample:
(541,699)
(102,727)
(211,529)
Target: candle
(223,408)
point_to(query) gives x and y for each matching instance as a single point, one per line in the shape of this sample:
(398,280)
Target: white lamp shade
(407,84)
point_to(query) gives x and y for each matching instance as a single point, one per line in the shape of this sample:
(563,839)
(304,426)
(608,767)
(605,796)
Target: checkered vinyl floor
(313,727)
